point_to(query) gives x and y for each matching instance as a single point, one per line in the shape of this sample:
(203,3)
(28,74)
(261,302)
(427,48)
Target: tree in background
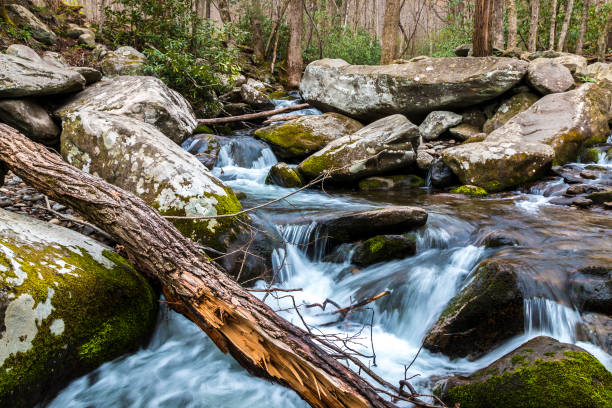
(553,24)
(481,37)
(533,26)
(294,51)
(390,35)
(256,20)
(583,24)
(565,27)
(498,24)
(512,25)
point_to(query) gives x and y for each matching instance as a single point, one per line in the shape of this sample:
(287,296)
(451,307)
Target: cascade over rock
(413,89)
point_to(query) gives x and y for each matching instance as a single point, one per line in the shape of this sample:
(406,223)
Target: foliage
(353,46)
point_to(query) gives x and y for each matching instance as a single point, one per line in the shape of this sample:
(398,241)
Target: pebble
(588,175)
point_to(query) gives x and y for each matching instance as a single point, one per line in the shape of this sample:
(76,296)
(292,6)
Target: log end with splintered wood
(260,340)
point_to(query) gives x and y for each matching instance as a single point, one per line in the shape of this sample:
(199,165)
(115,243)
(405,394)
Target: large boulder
(555,130)
(509,109)
(541,373)
(123,61)
(20,77)
(413,89)
(484,314)
(25,18)
(23,51)
(575,63)
(591,289)
(298,138)
(547,76)
(137,157)
(67,305)
(29,118)
(438,122)
(385,145)
(141,97)
(599,71)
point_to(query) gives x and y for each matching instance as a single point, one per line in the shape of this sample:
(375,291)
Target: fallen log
(240,324)
(251,116)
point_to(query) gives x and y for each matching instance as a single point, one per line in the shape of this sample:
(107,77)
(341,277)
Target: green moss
(292,138)
(470,191)
(384,248)
(203,129)
(590,155)
(578,380)
(375,244)
(316,164)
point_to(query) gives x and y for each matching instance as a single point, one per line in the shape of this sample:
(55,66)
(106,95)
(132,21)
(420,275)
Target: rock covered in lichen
(396,182)
(541,373)
(383,248)
(137,157)
(67,304)
(414,88)
(438,122)
(141,97)
(382,146)
(23,17)
(204,147)
(508,109)
(546,76)
(123,61)
(298,138)
(281,174)
(464,131)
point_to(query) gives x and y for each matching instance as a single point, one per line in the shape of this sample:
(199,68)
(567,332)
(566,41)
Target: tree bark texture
(256,21)
(390,34)
(239,323)
(553,24)
(294,53)
(533,26)
(602,40)
(583,24)
(565,27)
(481,36)
(512,25)
(224,11)
(498,24)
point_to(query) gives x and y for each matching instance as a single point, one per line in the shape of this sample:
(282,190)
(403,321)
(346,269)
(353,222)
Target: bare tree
(498,24)
(294,53)
(390,31)
(481,36)
(566,23)
(583,24)
(553,24)
(533,25)
(512,24)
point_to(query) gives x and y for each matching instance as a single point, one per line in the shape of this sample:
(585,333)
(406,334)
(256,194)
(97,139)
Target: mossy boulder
(298,138)
(123,61)
(26,20)
(396,182)
(508,109)
(485,313)
(470,191)
(590,155)
(383,248)
(382,146)
(541,373)
(283,175)
(67,305)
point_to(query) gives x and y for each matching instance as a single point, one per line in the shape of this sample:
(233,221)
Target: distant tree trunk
(553,24)
(512,24)
(533,25)
(565,27)
(294,53)
(207,13)
(583,24)
(224,12)
(481,36)
(258,44)
(498,24)
(4,15)
(390,31)
(602,40)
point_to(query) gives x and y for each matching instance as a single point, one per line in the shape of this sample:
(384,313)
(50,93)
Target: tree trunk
(566,23)
(602,40)
(4,15)
(207,13)
(583,23)
(224,11)
(553,24)
(481,36)
(512,25)
(498,24)
(533,25)
(258,44)
(390,31)
(294,53)
(239,323)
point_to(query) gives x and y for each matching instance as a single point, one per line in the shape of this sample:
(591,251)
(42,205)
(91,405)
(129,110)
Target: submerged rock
(204,147)
(547,76)
(298,138)
(30,119)
(438,122)
(141,97)
(469,190)
(123,61)
(591,289)
(283,175)
(509,109)
(413,89)
(397,182)
(67,304)
(383,248)
(541,373)
(382,146)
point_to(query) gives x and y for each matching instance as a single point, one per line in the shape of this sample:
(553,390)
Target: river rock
(464,131)
(55,59)
(424,160)
(597,329)
(360,225)
(20,77)
(591,289)
(441,175)
(91,75)
(385,145)
(253,93)
(541,373)
(414,89)
(396,182)
(484,314)
(123,61)
(281,174)
(141,97)
(298,138)
(23,51)
(548,76)
(509,109)
(553,130)
(68,304)
(137,157)
(438,122)
(25,18)
(575,63)
(30,119)
(384,248)
(599,71)
(204,147)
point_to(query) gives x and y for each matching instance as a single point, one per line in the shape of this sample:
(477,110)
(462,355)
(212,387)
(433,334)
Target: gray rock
(548,76)
(204,147)
(87,39)
(281,174)
(599,71)
(55,59)
(24,17)
(464,131)
(441,175)
(253,93)
(591,289)
(438,122)
(91,75)
(30,119)
(123,61)
(75,31)
(20,77)
(575,63)
(509,109)
(424,160)
(382,146)
(413,89)
(23,51)
(145,98)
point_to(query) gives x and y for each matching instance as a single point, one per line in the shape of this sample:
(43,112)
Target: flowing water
(182,368)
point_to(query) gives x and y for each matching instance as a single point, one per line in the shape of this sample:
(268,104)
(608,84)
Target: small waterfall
(300,239)
(246,152)
(548,318)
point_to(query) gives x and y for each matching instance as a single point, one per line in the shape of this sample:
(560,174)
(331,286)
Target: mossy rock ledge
(541,373)
(67,305)
(382,248)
